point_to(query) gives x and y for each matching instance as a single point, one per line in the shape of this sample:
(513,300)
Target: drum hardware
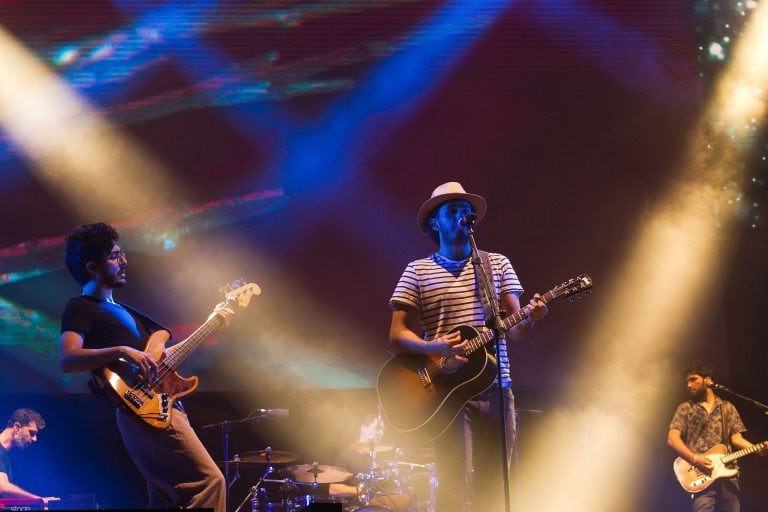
(268,456)
(298,488)
(398,486)
(318,474)
(225,428)
(258,495)
(370,446)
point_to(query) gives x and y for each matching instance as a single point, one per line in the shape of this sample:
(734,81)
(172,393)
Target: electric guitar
(420,395)
(694,479)
(152,400)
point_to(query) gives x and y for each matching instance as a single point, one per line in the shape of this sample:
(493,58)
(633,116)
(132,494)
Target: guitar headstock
(241,292)
(574,288)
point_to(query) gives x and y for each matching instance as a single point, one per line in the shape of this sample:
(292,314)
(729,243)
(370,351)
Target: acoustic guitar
(420,395)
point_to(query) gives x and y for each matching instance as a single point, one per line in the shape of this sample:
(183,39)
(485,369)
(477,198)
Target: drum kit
(393,482)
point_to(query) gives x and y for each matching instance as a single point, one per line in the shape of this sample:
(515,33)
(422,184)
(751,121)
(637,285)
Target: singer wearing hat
(433,296)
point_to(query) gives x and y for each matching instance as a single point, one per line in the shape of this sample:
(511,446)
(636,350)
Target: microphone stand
(754,402)
(496,325)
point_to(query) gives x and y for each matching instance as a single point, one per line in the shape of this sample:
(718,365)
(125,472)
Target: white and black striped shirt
(444,294)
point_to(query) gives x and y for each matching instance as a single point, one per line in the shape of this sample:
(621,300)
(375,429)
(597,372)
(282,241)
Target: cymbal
(239,463)
(325,474)
(275,457)
(371,447)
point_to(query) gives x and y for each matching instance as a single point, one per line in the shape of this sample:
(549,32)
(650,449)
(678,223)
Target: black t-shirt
(105,324)
(5,464)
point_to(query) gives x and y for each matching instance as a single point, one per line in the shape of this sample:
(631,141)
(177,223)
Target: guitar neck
(515,318)
(186,347)
(746,451)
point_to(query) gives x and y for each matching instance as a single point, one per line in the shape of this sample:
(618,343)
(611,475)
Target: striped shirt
(444,294)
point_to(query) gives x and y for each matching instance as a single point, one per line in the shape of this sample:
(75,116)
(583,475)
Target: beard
(699,395)
(114,282)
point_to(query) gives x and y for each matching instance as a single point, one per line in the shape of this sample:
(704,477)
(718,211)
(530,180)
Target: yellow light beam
(75,153)
(589,455)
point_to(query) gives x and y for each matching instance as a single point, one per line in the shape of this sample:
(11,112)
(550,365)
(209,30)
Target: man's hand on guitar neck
(223,312)
(536,308)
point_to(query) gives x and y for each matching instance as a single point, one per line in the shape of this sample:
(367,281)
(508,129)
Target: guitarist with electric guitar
(703,431)
(126,354)
(433,296)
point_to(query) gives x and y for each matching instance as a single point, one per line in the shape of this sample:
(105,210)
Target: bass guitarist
(436,294)
(96,330)
(699,426)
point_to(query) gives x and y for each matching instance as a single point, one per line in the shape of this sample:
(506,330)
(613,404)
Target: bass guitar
(152,400)
(694,479)
(420,395)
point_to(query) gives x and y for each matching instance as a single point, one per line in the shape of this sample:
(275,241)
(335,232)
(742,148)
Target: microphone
(468,221)
(715,385)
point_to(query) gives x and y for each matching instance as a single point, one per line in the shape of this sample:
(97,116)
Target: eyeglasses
(115,256)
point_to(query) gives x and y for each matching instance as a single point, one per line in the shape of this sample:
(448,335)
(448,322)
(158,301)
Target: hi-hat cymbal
(371,447)
(268,456)
(305,473)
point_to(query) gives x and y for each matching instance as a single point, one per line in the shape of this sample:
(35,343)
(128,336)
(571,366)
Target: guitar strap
(96,383)
(726,437)
(724,433)
(486,262)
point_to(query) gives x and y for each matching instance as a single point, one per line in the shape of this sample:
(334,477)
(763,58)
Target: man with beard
(436,294)
(20,431)
(698,425)
(97,330)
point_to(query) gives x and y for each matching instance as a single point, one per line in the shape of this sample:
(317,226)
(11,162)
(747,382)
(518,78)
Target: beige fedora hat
(448,192)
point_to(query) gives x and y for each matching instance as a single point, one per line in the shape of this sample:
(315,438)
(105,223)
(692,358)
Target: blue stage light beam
(627,56)
(329,151)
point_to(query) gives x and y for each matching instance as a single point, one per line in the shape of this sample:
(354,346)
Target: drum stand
(369,477)
(256,495)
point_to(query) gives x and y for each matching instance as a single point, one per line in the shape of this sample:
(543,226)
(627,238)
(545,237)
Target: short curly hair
(89,242)
(24,417)
(701,368)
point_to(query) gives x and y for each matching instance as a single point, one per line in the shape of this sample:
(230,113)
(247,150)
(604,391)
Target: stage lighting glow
(157,229)
(74,152)
(666,284)
(716,51)
(66,56)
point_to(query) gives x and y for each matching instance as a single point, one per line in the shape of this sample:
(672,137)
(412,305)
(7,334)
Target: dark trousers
(179,471)
(468,455)
(721,496)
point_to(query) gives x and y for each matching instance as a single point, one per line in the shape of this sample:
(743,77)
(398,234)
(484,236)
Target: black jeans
(468,455)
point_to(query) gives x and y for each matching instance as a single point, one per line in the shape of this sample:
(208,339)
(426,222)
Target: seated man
(20,432)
